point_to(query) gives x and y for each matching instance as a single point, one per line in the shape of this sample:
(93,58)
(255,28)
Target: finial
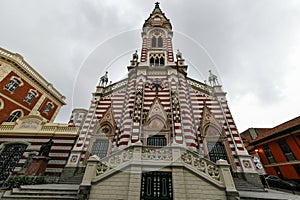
(157,5)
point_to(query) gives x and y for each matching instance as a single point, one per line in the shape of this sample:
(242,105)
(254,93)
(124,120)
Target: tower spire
(157,37)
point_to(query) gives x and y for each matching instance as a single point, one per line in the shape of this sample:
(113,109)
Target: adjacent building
(24,91)
(278,148)
(28,107)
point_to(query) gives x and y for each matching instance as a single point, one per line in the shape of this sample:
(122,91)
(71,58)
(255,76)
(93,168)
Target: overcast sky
(252,45)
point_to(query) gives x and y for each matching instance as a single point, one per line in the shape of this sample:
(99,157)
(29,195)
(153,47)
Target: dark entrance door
(156,186)
(9,157)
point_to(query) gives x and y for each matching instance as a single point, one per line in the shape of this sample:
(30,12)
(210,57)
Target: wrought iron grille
(100,148)
(156,186)
(216,151)
(157,140)
(9,157)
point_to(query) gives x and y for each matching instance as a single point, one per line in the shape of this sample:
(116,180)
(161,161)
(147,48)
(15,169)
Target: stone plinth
(37,166)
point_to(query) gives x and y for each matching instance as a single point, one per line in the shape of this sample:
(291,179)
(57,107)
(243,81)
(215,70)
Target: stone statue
(103,80)
(213,79)
(178,55)
(45,148)
(135,56)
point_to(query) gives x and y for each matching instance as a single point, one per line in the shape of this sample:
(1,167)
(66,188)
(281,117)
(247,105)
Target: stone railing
(114,160)
(27,68)
(146,156)
(201,164)
(157,153)
(198,85)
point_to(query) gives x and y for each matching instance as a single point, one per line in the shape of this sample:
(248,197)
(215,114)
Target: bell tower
(157,37)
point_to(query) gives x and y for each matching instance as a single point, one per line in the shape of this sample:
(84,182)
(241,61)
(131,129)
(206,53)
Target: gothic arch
(214,139)
(157,125)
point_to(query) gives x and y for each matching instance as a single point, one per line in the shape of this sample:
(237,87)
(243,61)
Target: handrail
(149,153)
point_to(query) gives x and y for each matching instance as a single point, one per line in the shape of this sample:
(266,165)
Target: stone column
(90,173)
(226,178)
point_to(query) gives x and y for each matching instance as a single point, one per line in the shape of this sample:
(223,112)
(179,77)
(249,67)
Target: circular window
(105,130)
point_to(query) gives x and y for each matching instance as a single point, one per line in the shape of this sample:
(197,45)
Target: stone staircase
(74,180)
(43,192)
(243,185)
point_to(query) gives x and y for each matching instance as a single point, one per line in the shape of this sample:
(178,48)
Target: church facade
(158,134)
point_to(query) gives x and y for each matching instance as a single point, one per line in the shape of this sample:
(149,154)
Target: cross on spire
(156,4)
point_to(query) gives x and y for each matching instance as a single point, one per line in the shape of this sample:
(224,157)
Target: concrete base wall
(113,187)
(127,185)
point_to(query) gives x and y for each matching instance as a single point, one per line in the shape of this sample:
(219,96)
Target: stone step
(73,180)
(243,185)
(43,192)
(9,196)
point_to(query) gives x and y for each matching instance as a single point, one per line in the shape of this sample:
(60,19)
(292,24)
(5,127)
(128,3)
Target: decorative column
(90,173)
(226,178)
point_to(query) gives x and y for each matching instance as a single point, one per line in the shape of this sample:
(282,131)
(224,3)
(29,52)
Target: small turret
(214,83)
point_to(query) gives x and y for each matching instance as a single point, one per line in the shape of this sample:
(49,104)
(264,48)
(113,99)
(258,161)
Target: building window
(100,148)
(9,157)
(14,116)
(48,108)
(30,96)
(157,59)
(286,150)
(156,185)
(153,41)
(13,84)
(157,42)
(268,154)
(216,151)
(157,140)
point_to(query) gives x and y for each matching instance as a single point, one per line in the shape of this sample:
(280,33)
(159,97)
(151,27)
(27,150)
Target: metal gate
(156,186)
(9,157)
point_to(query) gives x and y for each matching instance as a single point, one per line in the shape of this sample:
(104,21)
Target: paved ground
(271,194)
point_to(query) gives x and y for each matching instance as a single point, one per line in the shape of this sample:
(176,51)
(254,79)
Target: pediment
(157,118)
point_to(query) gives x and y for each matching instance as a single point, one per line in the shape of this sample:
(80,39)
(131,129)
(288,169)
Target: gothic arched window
(157,59)
(14,116)
(153,41)
(159,42)
(100,148)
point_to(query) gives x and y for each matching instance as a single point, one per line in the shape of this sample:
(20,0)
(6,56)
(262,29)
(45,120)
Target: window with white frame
(14,116)
(30,96)
(48,107)
(13,84)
